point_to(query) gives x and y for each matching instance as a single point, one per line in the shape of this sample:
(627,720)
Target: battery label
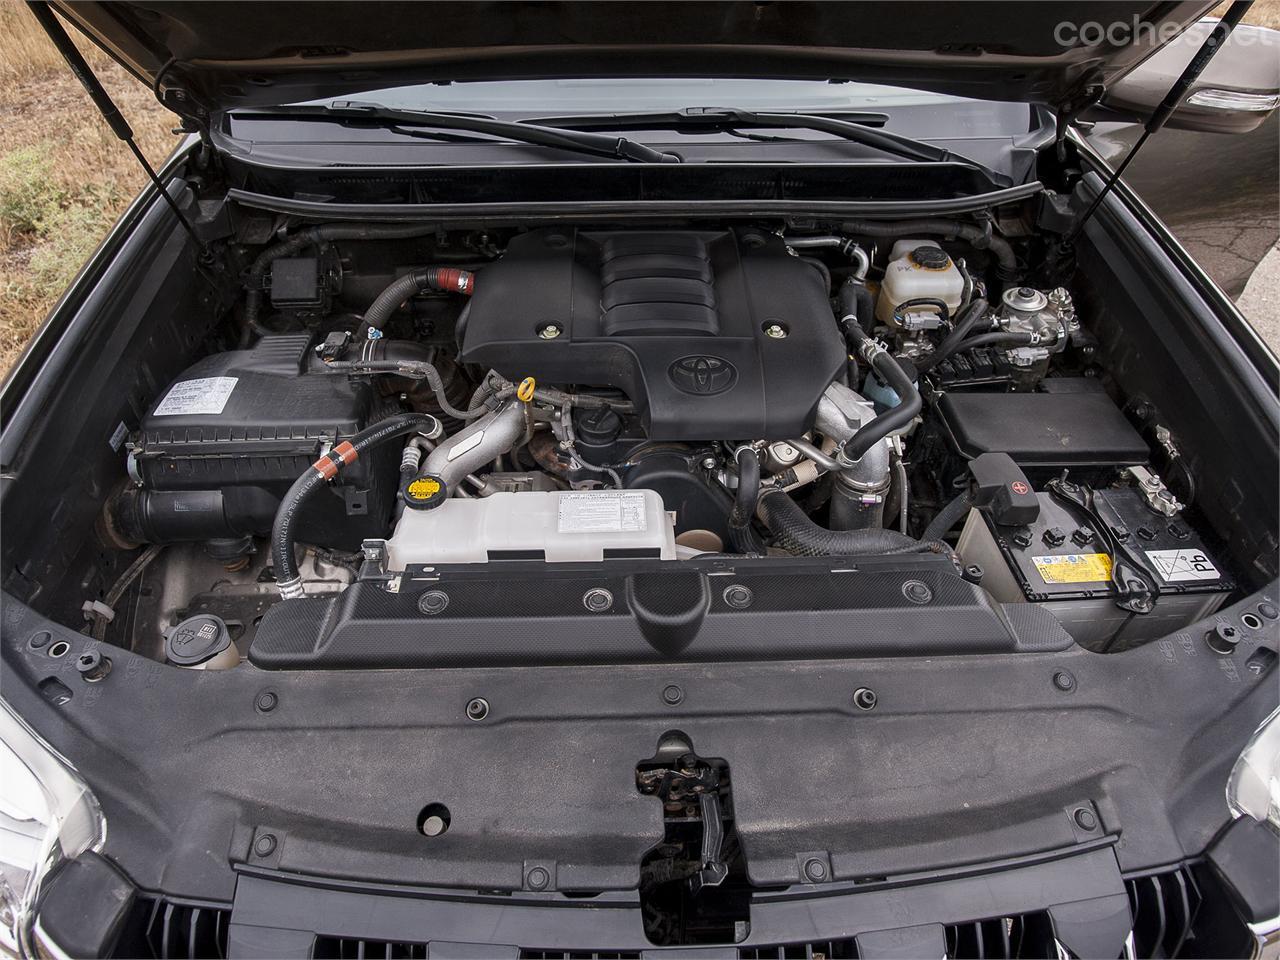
(1180,566)
(1074,568)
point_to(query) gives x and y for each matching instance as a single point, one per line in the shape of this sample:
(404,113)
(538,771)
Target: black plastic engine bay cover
(713,334)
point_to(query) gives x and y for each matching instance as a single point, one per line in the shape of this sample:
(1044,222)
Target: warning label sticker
(1180,566)
(604,511)
(204,395)
(1074,568)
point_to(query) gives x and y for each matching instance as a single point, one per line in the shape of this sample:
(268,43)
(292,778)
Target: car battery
(1062,563)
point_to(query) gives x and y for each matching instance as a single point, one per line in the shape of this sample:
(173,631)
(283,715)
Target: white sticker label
(606,511)
(118,435)
(1179,566)
(205,395)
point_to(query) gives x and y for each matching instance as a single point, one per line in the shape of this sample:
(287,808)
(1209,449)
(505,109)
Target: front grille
(164,929)
(1177,913)
(345,948)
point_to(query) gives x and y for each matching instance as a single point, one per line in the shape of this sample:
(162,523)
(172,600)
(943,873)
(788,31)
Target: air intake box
(713,334)
(244,424)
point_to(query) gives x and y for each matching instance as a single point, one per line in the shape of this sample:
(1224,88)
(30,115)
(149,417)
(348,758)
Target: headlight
(47,814)
(1254,785)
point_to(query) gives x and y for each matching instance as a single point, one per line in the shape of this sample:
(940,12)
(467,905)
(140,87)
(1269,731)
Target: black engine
(711,333)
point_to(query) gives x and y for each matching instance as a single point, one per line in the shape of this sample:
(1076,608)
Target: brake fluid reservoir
(918,269)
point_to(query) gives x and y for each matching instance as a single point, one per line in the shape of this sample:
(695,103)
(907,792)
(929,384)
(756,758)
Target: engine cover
(712,334)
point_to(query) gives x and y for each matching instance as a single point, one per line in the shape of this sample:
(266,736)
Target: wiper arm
(852,128)
(597,144)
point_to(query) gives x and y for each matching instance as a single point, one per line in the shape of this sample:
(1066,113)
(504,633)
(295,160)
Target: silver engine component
(478,443)
(861,485)
(1049,318)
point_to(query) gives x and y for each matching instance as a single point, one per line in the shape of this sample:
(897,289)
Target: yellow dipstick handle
(524,392)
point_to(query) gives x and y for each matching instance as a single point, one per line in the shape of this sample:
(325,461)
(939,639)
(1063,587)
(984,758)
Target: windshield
(609,95)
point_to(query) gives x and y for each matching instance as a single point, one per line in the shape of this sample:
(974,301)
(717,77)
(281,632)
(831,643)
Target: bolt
(1085,819)
(708,463)
(1222,639)
(266,701)
(597,600)
(265,845)
(538,878)
(93,666)
(738,596)
(549,332)
(1064,681)
(672,694)
(433,826)
(815,870)
(917,591)
(477,708)
(776,331)
(433,602)
(1082,536)
(864,698)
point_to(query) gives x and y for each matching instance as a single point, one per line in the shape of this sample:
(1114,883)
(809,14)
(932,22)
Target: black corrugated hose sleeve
(797,534)
(444,279)
(948,517)
(951,342)
(895,418)
(315,476)
(742,537)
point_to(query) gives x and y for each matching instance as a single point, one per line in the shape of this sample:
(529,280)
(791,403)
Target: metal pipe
(477,444)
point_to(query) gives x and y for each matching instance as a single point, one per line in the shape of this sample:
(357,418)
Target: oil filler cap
(424,493)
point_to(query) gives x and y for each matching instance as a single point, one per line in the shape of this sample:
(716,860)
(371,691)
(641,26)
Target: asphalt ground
(1260,302)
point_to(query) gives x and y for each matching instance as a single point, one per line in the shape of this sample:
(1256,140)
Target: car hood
(207,56)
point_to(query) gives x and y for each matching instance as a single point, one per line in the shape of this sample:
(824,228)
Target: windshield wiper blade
(597,144)
(848,128)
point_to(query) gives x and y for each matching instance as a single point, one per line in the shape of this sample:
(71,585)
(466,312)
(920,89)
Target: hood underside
(204,56)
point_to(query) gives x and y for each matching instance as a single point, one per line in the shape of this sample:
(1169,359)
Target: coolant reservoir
(584,526)
(917,269)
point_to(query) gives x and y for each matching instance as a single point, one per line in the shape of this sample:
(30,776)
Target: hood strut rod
(1172,100)
(106,106)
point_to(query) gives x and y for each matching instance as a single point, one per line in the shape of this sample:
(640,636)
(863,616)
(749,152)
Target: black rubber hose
(948,517)
(853,299)
(742,537)
(975,236)
(951,342)
(899,312)
(309,237)
(796,533)
(1001,338)
(444,279)
(895,418)
(315,476)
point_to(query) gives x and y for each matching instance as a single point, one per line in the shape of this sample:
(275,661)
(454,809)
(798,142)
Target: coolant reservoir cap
(930,257)
(196,639)
(425,492)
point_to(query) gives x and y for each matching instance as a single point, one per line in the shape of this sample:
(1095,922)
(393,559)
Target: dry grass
(64,177)
(1265,13)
